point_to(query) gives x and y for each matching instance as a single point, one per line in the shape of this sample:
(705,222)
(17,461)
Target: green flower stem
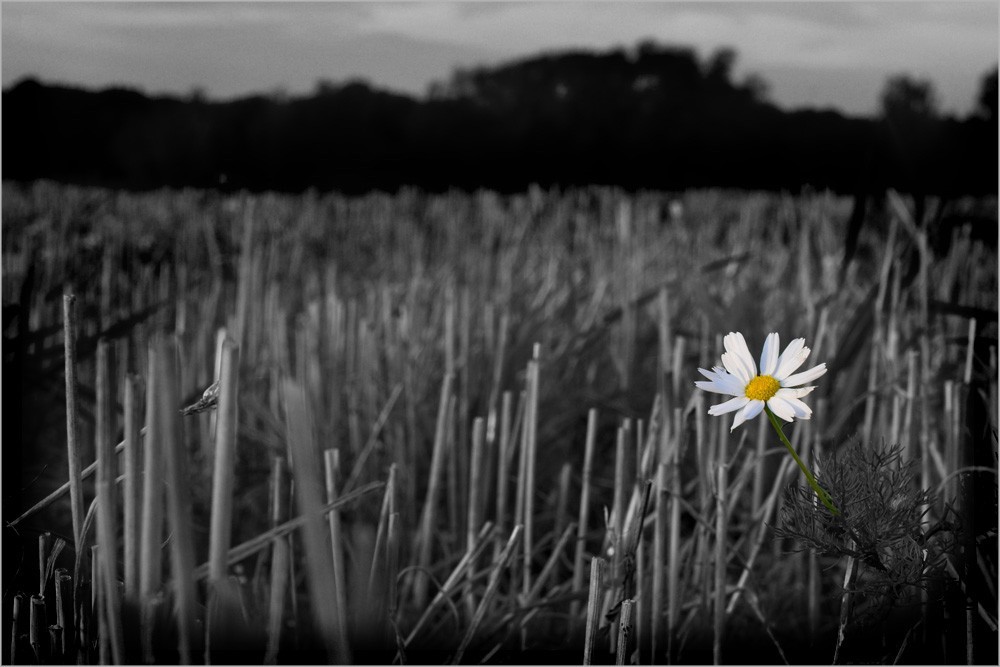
(820,492)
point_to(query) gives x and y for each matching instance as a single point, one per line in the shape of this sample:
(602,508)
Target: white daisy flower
(777,386)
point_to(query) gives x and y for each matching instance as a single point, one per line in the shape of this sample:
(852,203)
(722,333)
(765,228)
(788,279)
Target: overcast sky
(813,54)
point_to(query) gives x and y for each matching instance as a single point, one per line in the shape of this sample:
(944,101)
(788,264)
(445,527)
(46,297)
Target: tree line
(652,116)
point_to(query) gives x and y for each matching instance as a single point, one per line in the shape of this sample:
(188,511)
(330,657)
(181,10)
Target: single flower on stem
(776,390)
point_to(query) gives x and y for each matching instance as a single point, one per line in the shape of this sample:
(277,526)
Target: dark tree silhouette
(651,116)
(987,99)
(905,97)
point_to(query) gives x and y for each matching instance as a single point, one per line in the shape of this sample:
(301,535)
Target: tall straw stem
(674,597)
(178,496)
(491,588)
(151,525)
(530,443)
(584,515)
(660,531)
(132,499)
(331,468)
(429,514)
(388,507)
(474,515)
(309,492)
(74,455)
(107,533)
(221,600)
(279,562)
(719,623)
(220,536)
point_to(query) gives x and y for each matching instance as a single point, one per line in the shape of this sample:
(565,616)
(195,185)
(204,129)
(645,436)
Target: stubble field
(464,428)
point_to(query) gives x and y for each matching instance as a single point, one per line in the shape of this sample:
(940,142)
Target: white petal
(728,406)
(712,387)
(802,411)
(753,409)
(769,356)
(796,392)
(735,365)
(791,358)
(804,376)
(781,408)
(721,382)
(739,348)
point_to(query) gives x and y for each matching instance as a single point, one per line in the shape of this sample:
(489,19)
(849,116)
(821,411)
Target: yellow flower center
(762,388)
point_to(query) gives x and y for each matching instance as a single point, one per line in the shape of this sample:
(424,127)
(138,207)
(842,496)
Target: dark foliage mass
(648,117)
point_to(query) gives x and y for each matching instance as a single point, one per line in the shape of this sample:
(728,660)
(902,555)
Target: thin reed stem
(178,497)
(107,533)
(132,500)
(73,452)
(331,468)
(429,514)
(584,516)
(491,589)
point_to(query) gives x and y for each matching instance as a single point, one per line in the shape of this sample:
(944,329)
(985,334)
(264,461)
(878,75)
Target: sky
(812,54)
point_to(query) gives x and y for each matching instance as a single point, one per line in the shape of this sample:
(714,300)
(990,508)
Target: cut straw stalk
(132,493)
(550,565)
(150,550)
(222,342)
(392,564)
(220,535)
(106,510)
(474,516)
(168,436)
(618,545)
(427,519)
(222,601)
(462,406)
(98,625)
(581,535)
(17,629)
(598,568)
(660,532)
(262,541)
(498,359)
(309,492)
(491,589)
(72,445)
(278,589)
(43,549)
(674,592)
(530,443)
(625,631)
(449,584)
(562,497)
(502,462)
(55,644)
(377,571)
(720,561)
(331,469)
(36,629)
(64,609)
